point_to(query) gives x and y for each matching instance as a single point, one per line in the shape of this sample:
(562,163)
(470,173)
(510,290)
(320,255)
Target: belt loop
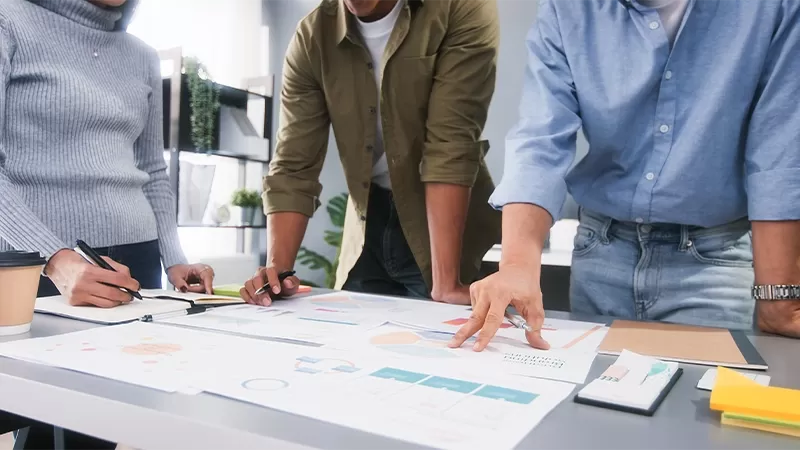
(685,241)
(607,222)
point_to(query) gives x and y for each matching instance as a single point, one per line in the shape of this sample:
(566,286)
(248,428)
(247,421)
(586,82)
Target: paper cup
(19,282)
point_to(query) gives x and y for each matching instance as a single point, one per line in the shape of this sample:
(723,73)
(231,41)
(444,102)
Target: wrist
(54,260)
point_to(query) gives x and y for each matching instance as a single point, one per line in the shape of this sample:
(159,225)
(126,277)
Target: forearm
(446,206)
(525,228)
(285,231)
(776,252)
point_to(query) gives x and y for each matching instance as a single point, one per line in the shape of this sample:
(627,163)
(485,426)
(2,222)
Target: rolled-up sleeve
(292,184)
(772,154)
(540,148)
(463,85)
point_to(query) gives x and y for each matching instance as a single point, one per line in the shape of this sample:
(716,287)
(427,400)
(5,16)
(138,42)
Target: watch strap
(776,292)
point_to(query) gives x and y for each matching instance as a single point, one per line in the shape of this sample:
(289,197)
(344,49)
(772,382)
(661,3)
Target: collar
(343,16)
(83,12)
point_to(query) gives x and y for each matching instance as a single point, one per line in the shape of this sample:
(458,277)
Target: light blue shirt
(703,133)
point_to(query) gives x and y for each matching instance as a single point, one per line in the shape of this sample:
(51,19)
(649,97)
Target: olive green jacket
(438,79)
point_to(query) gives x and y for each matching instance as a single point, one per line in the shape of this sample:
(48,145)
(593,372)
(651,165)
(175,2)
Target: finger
(250,290)
(246,296)
(196,288)
(101,302)
(207,280)
(534,316)
(181,285)
(273,280)
(473,325)
(114,278)
(494,318)
(109,293)
(290,286)
(121,268)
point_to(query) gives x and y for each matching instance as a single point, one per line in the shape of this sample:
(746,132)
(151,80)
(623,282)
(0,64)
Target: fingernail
(276,289)
(289,284)
(452,344)
(183,289)
(476,347)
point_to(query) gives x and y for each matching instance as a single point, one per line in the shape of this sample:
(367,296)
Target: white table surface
(550,257)
(148,419)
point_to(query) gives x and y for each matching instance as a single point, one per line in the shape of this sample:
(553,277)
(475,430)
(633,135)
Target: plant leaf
(313,260)
(334,238)
(337,207)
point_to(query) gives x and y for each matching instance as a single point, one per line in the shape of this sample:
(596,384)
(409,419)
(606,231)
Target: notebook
(154,302)
(634,383)
(683,343)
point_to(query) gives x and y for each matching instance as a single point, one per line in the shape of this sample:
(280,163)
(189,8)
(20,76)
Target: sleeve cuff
(276,202)
(452,163)
(527,185)
(774,195)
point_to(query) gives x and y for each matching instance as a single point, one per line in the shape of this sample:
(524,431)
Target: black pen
(282,276)
(169,315)
(89,253)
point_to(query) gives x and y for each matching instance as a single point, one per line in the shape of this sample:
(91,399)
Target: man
(406,85)
(690,109)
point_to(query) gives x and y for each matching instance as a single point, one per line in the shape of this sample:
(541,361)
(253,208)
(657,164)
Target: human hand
(277,289)
(779,317)
(84,284)
(456,295)
(514,285)
(197,278)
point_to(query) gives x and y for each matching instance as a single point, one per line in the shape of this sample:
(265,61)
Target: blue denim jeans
(665,272)
(386,265)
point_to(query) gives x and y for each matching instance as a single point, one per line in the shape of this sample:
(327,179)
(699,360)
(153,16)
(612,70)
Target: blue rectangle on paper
(509,395)
(306,370)
(309,359)
(451,384)
(399,375)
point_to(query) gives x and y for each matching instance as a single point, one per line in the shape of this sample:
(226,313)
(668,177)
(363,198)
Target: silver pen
(518,322)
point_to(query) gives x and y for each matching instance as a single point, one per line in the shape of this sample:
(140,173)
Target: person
(81,157)
(690,111)
(406,85)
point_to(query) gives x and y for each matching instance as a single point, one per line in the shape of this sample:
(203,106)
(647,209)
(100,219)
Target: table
(148,419)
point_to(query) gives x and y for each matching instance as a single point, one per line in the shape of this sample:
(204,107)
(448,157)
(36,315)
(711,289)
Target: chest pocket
(411,81)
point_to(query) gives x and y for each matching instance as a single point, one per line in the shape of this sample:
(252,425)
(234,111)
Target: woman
(81,153)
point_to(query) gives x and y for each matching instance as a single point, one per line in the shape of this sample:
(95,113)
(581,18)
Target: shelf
(230,227)
(226,154)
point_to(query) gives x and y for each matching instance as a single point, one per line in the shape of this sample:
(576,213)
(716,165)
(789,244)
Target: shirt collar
(343,16)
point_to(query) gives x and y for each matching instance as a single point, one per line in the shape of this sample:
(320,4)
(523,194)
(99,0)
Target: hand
(779,317)
(277,289)
(515,285)
(457,295)
(197,278)
(84,284)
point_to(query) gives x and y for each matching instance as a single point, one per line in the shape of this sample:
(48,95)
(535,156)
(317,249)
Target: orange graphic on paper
(151,349)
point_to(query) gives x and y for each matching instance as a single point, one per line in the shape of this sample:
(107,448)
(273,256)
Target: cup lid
(21,259)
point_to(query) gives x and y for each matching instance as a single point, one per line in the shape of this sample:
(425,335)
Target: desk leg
(58,438)
(20,437)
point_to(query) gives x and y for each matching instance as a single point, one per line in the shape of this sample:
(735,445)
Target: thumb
(180,285)
(534,317)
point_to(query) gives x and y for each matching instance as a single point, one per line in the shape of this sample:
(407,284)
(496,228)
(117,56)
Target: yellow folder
(735,393)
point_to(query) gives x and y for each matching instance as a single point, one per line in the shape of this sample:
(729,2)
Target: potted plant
(248,201)
(336,208)
(203,102)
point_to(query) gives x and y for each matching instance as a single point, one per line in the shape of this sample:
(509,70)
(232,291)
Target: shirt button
(663,128)
(370,148)
(654,25)
(363,218)
(365,184)
(95,54)
(650,176)
(668,75)
(369,66)
(639,220)
(372,110)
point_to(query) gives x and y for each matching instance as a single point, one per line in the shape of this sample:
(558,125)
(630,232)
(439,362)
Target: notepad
(738,394)
(233,289)
(155,301)
(683,343)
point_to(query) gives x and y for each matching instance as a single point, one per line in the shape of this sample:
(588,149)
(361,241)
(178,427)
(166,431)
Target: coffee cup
(19,282)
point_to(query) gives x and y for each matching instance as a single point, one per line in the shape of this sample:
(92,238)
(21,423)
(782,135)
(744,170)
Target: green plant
(336,208)
(203,102)
(246,198)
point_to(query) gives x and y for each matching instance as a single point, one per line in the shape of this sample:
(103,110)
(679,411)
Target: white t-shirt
(671,13)
(376,36)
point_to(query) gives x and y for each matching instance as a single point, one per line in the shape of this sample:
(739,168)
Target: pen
(282,276)
(518,322)
(169,315)
(92,256)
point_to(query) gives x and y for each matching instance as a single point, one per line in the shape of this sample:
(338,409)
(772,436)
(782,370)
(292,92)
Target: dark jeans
(386,265)
(144,261)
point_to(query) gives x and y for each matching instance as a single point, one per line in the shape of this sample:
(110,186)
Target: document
(509,352)
(129,312)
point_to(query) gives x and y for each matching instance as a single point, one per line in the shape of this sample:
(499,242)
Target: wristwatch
(776,292)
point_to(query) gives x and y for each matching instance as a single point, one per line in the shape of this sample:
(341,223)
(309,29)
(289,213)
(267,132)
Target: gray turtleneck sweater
(81,138)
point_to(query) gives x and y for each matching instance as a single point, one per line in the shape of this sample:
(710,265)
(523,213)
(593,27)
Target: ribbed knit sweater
(81,137)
